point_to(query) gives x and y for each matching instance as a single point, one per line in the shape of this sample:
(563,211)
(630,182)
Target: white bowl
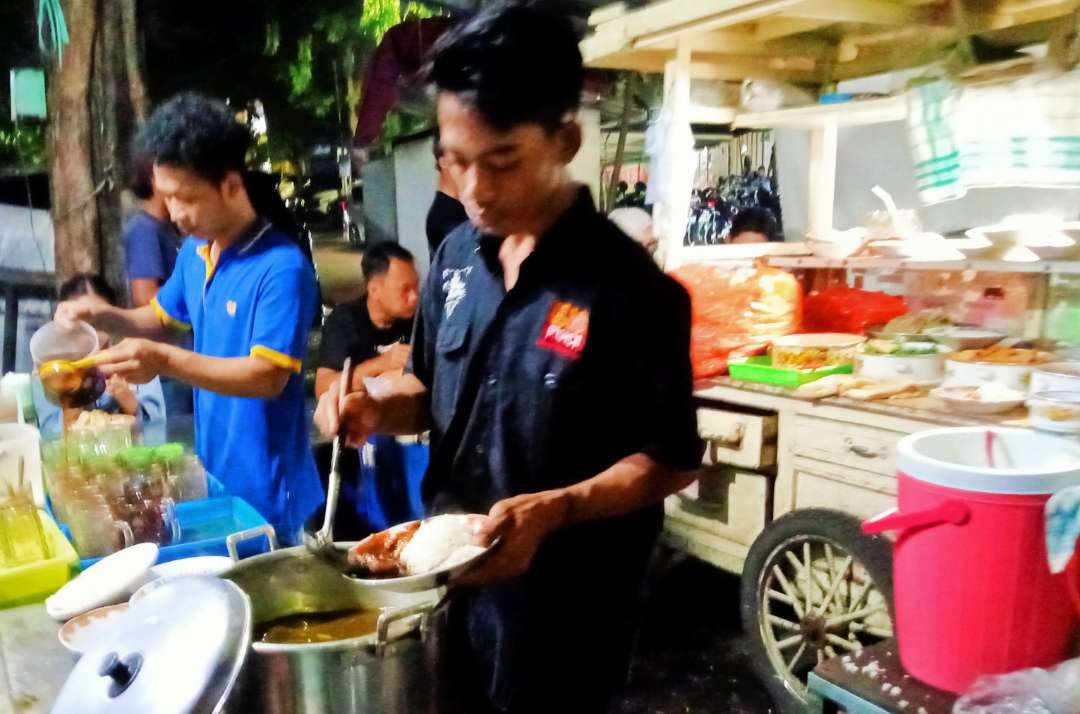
(966,338)
(952,396)
(216,565)
(110,580)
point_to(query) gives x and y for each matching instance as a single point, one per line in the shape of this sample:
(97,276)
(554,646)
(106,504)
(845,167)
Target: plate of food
(988,398)
(418,555)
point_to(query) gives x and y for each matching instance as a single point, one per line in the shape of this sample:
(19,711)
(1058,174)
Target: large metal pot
(186,647)
(391,671)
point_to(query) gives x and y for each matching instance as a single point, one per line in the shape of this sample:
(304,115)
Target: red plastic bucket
(973,592)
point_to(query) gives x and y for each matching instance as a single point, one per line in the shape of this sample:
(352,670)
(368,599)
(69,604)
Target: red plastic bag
(736,309)
(844,309)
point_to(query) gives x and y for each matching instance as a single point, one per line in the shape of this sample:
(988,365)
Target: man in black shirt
(551,364)
(446,212)
(375,332)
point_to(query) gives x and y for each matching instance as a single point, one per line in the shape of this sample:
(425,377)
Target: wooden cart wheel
(813,587)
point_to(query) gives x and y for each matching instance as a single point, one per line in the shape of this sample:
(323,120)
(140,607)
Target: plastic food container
(1056,377)
(1055,411)
(904,365)
(34,582)
(815,350)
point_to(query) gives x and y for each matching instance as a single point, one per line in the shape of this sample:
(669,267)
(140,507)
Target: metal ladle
(322,541)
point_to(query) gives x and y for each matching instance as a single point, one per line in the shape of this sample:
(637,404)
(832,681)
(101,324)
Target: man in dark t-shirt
(446,212)
(374,332)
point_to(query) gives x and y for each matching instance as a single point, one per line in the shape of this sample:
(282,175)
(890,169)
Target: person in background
(247,294)
(754,225)
(446,212)
(151,241)
(145,402)
(151,244)
(374,332)
(636,223)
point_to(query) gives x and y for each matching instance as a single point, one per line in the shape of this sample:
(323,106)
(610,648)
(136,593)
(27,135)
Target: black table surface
(876,675)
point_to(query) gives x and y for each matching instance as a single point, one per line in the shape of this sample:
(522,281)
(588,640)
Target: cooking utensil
(322,542)
(72,382)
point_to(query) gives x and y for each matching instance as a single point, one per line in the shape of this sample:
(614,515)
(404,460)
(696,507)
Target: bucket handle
(954,512)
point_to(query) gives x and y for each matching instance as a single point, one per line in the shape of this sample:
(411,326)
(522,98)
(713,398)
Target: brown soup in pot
(313,628)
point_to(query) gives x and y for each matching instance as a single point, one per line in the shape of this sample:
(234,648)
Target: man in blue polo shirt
(247,294)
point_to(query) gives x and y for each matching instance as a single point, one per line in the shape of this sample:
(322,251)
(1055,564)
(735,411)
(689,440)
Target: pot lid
(179,649)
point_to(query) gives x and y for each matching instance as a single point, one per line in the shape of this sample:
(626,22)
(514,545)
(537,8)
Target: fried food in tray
(999,354)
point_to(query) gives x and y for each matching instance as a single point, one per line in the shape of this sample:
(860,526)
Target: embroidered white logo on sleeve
(454,287)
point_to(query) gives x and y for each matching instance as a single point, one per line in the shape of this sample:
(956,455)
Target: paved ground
(692,656)
(338,267)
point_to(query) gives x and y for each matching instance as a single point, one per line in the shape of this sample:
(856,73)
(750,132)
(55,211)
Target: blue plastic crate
(205,524)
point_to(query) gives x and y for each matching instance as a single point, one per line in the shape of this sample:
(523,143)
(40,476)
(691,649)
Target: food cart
(787,480)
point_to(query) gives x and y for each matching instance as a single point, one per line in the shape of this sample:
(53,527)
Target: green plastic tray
(760,369)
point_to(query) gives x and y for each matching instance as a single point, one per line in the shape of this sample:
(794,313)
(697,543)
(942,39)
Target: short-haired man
(551,363)
(247,294)
(374,331)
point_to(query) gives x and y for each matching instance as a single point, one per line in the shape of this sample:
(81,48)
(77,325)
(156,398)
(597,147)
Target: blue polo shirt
(259,299)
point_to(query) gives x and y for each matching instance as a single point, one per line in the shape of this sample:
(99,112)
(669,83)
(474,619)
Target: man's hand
(88,308)
(357,420)
(521,523)
(397,356)
(135,359)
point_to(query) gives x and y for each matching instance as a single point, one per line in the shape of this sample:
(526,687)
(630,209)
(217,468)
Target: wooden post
(822,178)
(677,97)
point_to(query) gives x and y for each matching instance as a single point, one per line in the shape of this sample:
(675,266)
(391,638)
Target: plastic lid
(169,453)
(1025,462)
(138,457)
(179,649)
(112,579)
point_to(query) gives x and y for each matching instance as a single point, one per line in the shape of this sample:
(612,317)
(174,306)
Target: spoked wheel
(814,587)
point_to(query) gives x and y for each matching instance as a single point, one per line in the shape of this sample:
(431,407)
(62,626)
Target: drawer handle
(864,452)
(731,440)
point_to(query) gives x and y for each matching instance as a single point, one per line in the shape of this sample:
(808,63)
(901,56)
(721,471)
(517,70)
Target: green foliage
(319,63)
(23,146)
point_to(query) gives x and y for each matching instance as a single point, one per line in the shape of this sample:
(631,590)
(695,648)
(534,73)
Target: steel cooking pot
(186,646)
(391,671)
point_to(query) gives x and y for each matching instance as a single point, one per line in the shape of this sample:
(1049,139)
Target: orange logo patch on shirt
(565,329)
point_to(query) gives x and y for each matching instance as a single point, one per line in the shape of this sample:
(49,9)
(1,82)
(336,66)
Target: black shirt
(349,332)
(583,363)
(446,214)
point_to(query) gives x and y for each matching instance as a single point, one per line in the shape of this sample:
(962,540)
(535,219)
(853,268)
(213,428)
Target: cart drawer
(855,445)
(738,438)
(728,502)
(862,494)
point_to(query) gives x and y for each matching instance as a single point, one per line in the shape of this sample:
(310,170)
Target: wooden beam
(785,27)
(740,43)
(740,69)
(726,13)
(870,12)
(604,13)
(645,61)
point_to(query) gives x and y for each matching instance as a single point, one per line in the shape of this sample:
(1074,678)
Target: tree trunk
(96,97)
